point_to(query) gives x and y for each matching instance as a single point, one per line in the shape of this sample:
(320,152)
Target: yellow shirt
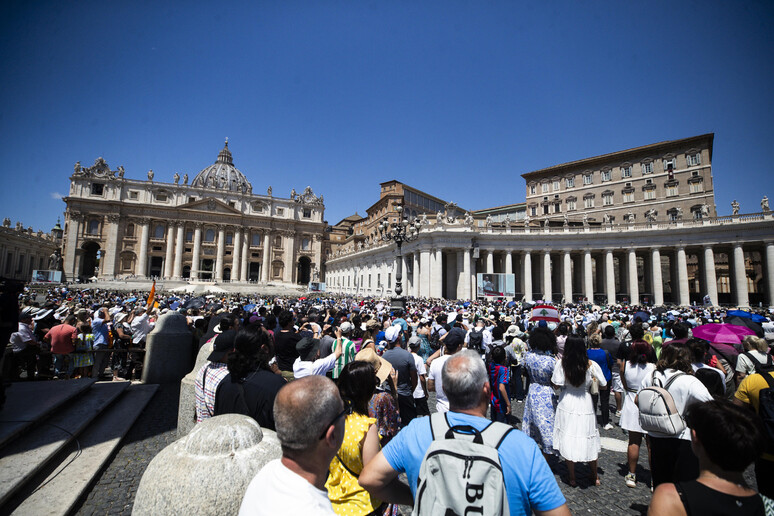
(346,495)
(749,392)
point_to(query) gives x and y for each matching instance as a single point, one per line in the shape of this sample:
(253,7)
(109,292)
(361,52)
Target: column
(243,269)
(588,278)
(221,249)
(682,277)
(73,231)
(460,294)
(658,283)
(710,277)
(110,257)
(740,277)
(142,257)
(169,257)
(770,271)
(634,285)
(424,278)
(436,282)
(180,240)
(288,258)
(527,276)
(609,277)
(547,287)
(508,262)
(466,283)
(266,265)
(236,253)
(197,251)
(415,276)
(489,262)
(567,269)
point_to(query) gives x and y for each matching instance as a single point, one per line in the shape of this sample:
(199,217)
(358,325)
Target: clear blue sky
(455,98)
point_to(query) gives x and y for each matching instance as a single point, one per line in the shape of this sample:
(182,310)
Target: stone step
(26,455)
(57,489)
(29,402)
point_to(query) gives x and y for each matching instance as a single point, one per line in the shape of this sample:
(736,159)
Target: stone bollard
(168,350)
(207,471)
(186,410)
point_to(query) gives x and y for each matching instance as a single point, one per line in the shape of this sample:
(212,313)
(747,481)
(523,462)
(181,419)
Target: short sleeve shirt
(749,392)
(441,401)
(403,362)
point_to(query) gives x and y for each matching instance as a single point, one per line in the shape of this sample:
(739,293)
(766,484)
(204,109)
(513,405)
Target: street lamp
(399,232)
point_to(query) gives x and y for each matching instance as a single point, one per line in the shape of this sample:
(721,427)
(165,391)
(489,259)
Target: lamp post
(399,232)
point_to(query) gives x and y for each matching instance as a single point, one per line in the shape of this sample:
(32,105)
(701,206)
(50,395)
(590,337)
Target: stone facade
(211,229)
(23,250)
(663,181)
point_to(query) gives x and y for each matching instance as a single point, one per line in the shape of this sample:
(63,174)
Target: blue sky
(455,98)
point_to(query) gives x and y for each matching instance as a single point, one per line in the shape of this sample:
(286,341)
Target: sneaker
(608,426)
(631,480)
(618,413)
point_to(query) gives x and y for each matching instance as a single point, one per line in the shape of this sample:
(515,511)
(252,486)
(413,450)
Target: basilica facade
(213,228)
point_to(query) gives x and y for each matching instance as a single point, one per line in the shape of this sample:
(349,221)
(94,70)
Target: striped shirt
(347,355)
(205,390)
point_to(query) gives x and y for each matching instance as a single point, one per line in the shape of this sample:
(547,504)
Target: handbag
(594,387)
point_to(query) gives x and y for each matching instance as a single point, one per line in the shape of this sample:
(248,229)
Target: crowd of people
(346,384)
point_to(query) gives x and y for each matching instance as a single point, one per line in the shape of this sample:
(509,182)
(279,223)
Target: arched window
(209,235)
(158,231)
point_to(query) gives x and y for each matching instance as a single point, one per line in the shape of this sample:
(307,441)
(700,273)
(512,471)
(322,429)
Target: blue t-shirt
(528,479)
(600,357)
(100,330)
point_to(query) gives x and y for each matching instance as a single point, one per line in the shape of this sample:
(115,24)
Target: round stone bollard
(186,410)
(168,350)
(207,471)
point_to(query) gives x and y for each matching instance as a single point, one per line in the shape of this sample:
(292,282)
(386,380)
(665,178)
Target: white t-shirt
(685,390)
(320,367)
(441,401)
(421,370)
(277,490)
(745,365)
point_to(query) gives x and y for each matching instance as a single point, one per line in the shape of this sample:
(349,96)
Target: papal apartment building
(664,181)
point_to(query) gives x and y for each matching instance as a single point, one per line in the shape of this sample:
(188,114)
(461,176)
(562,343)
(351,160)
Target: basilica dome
(223,175)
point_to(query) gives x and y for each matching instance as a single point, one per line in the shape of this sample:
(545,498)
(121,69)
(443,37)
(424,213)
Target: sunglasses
(347,411)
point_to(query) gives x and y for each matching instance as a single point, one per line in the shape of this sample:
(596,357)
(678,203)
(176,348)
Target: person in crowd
(309,416)
(62,339)
(211,374)
(82,356)
(755,357)
(749,395)
(529,483)
(361,444)
(500,403)
(141,326)
(25,347)
(250,386)
(605,362)
(712,377)
(515,348)
(561,333)
(122,338)
(403,362)
(452,342)
(100,326)
(725,439)
(285,342)
(383,405)
(613,346)
(540,362)
(309,361)
(576,437)
(671,458)
(347,348)
(420,393)
(639,364)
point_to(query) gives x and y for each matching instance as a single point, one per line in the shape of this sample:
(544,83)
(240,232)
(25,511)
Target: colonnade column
(609,277)
(110,257)
(73,230)
(236,254)
(265,266)
(466,283)
(740,278)
(710,278)
(508,262)
(527,276)
(219,256)
(682,277)
(588,278)
(170,254)
(658,283)
(436,281)
(770,271)
(197,251)
(489,262)
(245,250)
(634,284)
(179,241)
(415,276)
(142,257)
(424,277)
(547,276)
(567,269)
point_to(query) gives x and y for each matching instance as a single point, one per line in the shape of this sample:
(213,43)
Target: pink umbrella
(722,333)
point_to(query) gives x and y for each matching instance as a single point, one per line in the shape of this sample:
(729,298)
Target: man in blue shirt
(528,479)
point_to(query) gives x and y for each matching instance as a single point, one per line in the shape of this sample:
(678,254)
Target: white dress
(630,414)
(576,437)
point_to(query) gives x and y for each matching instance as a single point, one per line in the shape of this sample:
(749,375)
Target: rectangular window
(647,168)
(532,189)
(229,238)
(588,179)
(256,239)
(694,159)
(626,172)
(161,197)
(97,188)
(571,206)
(307,213)
(696,187)
(533,211)
(544,187)
(668,162)
(389,280)
(557,208)
(189,235)
(671,191)
(192,199)
(556,185)
(545,209)
(650,194)
(134,195)
(280,212)
(607,175)
(607,200)
(569,182)
(628,197)
(588,202)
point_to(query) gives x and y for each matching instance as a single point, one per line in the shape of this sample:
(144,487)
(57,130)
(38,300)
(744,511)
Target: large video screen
(495,285)
(47,276)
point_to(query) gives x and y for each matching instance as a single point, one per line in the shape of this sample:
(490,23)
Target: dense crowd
(345,382)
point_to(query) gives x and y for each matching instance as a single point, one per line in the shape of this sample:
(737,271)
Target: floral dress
(540,404)
(384,409)
(83,356)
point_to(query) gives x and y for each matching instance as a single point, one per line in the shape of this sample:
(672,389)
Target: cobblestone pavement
(114,491)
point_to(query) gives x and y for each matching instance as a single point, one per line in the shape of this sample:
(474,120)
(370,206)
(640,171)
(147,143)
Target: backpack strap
(438,425)
(495,434)
(768,378)
(671,380)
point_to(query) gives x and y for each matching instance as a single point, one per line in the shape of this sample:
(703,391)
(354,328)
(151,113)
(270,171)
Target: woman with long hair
(639,364)
(540,405)
(357,384)
(575,427)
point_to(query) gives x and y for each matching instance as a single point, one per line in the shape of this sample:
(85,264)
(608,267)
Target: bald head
(303,409)
(464,377)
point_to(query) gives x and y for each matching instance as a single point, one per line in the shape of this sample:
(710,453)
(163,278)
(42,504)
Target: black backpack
(761,368)
(435,338)
(476,341)
(766,410)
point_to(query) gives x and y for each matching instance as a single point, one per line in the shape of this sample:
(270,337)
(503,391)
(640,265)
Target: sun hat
(381,366)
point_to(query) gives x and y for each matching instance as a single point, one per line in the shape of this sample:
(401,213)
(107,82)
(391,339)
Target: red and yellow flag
(152,296)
